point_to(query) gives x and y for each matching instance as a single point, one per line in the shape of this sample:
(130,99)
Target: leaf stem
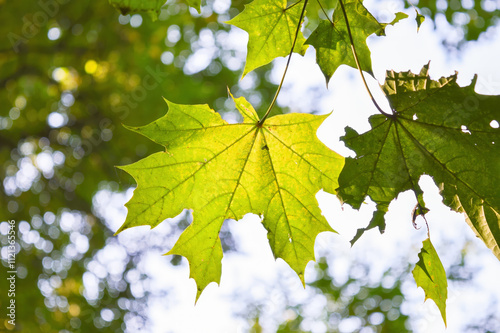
(286,68)
(353,48)
(324,11)
(293,5)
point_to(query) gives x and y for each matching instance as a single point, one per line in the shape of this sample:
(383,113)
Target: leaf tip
(131,128)
(245,72)
(124,168)
(302,280)
(122,228)
(166,101)
(474,81)
(198,294)
(327,79)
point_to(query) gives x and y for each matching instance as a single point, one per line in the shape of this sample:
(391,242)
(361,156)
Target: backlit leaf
(429,274)
(331,38)
(271,27)
(222,171)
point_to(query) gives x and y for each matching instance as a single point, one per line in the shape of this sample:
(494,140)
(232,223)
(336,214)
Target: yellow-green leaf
(429,274)
(224,171)
(271,27)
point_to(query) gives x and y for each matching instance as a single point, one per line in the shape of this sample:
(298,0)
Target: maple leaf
(429,274)
(439,129)
(223,171)
(331,37)
(271,27)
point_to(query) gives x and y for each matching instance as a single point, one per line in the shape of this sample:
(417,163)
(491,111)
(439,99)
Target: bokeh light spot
(90,67)
(54,33)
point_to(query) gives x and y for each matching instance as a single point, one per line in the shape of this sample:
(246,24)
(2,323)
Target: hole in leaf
(494,124)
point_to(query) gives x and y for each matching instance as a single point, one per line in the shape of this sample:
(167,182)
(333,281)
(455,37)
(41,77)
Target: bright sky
(252,272)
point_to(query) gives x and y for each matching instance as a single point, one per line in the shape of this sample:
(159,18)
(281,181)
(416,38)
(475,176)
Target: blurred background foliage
(71,72)
(469,18)
(355,302)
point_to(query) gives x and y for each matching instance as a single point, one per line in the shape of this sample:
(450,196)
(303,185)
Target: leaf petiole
(293,5)
(287,63)
(324,11)
(353,48)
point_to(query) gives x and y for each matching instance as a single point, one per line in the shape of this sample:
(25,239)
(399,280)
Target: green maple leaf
(133,6)
(439,129)
(331,38)
(271,27)
(223,171)
(429,274)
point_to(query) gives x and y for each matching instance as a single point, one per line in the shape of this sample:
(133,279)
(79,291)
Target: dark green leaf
(439,129)
(331,38)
